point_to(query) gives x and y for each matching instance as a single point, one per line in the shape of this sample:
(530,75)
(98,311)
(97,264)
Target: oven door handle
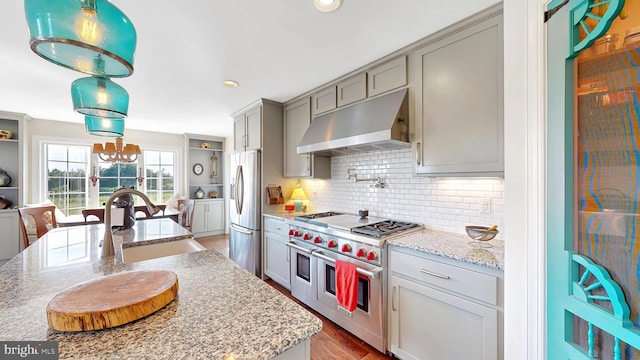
(370,274)
(298,247)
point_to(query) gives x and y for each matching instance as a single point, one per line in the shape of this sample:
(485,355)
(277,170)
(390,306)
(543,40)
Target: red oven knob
(371,255)
(346,248)
(360,253)
(306,237)
(296,233)
(317,240)
(290,232)
(332,244)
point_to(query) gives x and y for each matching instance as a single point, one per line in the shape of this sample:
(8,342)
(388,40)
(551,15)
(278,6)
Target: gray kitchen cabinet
(247,129)
(388,76)
(443,309)
(297,117)
(10,240)
(459,103)
(208,217)
(324,100)
(276,253)
(352,89)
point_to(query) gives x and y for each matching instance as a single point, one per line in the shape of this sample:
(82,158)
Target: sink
(157,250)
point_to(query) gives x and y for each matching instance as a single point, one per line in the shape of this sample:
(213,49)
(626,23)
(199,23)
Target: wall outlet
(314,195)
(485,206)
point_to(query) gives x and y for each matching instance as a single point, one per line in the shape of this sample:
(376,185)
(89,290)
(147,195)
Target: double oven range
(316,241)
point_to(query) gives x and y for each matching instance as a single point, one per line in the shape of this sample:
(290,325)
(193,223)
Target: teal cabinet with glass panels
(593,178)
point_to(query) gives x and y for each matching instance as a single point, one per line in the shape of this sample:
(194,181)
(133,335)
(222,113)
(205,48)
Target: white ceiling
(275,49)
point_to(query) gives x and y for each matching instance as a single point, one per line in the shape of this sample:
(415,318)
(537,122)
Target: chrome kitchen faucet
(107,242)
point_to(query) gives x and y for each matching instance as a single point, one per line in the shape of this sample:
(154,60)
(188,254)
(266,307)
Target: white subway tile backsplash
(446,204)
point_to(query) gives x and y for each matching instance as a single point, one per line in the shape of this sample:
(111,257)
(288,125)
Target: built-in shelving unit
(12,153)
(211,159)
(207,152)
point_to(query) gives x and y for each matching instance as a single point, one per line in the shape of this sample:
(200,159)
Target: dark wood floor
(333,342)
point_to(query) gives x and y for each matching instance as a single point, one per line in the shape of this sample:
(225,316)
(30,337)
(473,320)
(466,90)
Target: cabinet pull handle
(393,298)
(288,255)
(434,274)
(418,160)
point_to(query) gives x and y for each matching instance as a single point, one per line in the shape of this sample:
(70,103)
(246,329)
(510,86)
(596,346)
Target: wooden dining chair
(142,209)
(99,213)
(186,208)
(44,218)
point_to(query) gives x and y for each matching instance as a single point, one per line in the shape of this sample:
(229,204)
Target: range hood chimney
(377,124)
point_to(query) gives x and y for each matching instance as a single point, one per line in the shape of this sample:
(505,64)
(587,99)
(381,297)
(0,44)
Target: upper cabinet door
(239,131)
(352,89)
(388,76)
(297,117)
(254,128)
(459,111)
(324,100)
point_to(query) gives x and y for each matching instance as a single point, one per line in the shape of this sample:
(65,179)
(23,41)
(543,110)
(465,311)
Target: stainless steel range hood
(377,124)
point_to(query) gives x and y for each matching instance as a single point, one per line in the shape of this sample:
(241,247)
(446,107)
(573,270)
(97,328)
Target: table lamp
(298,197)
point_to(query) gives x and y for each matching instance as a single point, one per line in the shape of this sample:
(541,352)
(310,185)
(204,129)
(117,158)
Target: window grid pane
(159,175)
(66,176)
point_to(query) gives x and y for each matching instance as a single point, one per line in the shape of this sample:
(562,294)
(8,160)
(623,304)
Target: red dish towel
(346,285)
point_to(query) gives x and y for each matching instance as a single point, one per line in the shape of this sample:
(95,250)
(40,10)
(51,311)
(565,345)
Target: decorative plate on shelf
(197,169)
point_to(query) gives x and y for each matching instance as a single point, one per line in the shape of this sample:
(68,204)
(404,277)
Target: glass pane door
(607,168)
(593,180)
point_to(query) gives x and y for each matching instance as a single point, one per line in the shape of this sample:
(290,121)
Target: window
(114,176)
(159,175)
(67,176)
(68,167)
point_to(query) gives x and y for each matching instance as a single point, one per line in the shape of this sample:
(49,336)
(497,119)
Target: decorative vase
(5,179)
(199,193)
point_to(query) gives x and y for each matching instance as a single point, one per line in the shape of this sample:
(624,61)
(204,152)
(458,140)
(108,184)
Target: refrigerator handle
(240,230)
(235,192)
(240,184)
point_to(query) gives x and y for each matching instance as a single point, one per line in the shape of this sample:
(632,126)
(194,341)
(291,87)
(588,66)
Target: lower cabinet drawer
(474,284)
(275,225)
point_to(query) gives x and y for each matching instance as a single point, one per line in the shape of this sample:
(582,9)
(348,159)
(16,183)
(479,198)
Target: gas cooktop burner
(384,228)
(317,215)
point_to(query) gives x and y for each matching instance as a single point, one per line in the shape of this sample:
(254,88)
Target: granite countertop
(221,309)
(454,246)
(446,244)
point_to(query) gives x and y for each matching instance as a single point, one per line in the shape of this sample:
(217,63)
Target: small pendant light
(104,127)
(73,33)
(99,97)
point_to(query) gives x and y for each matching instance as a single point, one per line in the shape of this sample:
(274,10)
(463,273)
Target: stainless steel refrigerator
(245,210)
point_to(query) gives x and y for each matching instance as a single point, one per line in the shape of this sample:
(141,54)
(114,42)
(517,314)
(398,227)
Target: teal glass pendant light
(99,97)
(104,127)
(74,33)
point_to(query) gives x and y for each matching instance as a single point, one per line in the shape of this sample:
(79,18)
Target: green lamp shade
(104,127)
(99,97)
(76,33)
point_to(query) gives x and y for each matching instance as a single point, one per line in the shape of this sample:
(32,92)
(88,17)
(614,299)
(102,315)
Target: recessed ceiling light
(230,83)
(326,5)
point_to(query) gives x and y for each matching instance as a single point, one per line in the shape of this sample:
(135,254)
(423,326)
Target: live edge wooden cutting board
(112,300)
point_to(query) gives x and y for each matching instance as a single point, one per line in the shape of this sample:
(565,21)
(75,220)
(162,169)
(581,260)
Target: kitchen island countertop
(221,310)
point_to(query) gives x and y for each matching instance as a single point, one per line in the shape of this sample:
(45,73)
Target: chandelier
(117,152)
